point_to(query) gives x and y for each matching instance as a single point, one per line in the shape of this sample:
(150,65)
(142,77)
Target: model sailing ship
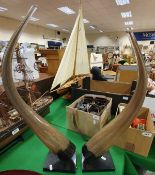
(29,93)
(75,64)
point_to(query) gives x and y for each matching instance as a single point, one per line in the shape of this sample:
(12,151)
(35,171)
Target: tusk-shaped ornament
(54,140)
(106,137)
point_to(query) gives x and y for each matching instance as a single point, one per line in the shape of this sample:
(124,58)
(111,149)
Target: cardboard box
(149,103)
(87,123)
(138,141)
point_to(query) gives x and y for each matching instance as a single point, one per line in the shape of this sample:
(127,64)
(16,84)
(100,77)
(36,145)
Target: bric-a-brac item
(74,65)
(62,151)
(95,155)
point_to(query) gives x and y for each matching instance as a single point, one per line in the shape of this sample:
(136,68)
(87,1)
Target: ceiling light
(2,9)
(85,21)
(101,31)
(129,28)
(52,25)
(32,18)
(126,14)
(92,27)
(66,10)
(65,30)
(122,2)
(128,23)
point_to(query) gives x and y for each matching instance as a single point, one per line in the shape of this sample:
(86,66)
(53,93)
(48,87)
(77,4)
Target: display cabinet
(53,58)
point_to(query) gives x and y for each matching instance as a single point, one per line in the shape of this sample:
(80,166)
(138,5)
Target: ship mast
(22,69)
(80,10)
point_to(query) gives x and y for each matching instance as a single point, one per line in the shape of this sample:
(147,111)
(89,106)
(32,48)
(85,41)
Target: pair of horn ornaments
(62,152)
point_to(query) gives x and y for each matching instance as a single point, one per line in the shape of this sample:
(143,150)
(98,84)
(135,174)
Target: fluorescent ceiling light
(2,9)
(128,23)
(85,21)
(92,27)
(129,28)
(65,30)
(52,25)
(101,31)
(32,18)
(122,2)
(66,10)
(126,14)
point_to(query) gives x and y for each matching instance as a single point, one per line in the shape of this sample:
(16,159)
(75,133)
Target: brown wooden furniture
(127,75)
(43,83)
(53,58)
(10,138)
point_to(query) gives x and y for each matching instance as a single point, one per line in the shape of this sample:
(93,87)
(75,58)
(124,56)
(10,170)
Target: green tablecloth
(31,153)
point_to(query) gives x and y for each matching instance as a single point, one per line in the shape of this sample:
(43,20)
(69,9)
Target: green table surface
(30,154)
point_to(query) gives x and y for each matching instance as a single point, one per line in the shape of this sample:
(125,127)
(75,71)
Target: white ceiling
(104,14)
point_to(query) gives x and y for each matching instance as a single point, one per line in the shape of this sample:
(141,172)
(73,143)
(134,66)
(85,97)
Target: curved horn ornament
(54,140)
(105,138)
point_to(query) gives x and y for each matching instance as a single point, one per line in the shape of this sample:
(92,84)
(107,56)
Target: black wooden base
(54,163)
(101,164)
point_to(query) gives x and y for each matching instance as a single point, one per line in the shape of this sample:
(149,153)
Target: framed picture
(111,49)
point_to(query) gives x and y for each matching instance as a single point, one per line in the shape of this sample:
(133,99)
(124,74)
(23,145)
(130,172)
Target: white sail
(82,62)
(75,55)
